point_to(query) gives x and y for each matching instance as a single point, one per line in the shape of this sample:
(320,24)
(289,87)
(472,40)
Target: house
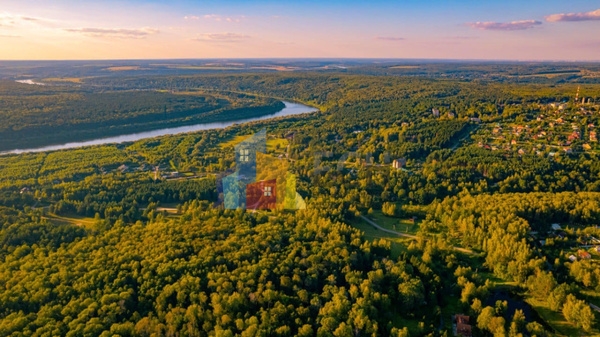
(597,249)
(262,195)
(475,119)
(584,255)
(435,112)
(573,136)
(451,115)
(586,147)
(399,163)
(593,137)
(521,151)
(461,325)
(556,227)
(123,168)
(25,190)
(572,258)
(513,142)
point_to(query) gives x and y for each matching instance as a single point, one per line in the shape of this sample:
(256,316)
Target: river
(290,109)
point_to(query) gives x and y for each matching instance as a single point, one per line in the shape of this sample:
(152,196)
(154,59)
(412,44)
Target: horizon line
(306,58)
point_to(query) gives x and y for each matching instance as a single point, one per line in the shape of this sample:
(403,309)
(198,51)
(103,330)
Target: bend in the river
(290,109)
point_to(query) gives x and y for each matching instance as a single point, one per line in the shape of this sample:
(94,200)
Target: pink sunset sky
(514,30)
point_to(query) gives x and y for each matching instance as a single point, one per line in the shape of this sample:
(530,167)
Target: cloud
(588,16)
(117,33)
(31,19)
(222,37)
(458,37)
(8,20)
(9,36)
(14,20)
(513,25)
(219,18)
(191,17)
(389,38)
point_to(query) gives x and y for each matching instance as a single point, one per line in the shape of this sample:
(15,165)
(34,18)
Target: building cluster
(559,127)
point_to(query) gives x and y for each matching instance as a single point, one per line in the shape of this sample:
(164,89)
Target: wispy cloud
(222,37)
(115,33)
(459,37)
(8,19)
(587,16)
(513,25)
(219,18)
(389,38)
(191,17)
(9,36)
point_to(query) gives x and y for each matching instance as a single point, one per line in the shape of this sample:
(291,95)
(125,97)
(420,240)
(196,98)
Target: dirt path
(374,224)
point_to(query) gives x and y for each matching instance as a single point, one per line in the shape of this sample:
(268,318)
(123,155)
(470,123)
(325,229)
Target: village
(549,130)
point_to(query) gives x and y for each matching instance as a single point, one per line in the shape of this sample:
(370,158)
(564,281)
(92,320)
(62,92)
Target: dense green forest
(130,240)
(36,115)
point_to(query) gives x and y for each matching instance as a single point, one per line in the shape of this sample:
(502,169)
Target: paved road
(374,224)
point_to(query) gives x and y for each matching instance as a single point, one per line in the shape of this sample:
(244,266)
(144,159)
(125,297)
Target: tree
(557,297)
(541,284)
(476,306)
(578,312)
(468,292)
(389,208)
(485,317)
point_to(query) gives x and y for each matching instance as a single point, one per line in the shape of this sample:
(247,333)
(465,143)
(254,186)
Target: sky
(441,29)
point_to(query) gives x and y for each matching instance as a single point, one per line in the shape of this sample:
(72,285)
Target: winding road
(374,224)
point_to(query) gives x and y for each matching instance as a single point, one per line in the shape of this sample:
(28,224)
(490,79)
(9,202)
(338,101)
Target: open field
(123,68)
(63,79)
(71,219)
(555,319)
(401,225)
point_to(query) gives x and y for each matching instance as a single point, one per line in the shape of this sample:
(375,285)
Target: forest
(130,239)
(36,115)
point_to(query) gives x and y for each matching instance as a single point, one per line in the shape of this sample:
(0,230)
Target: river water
(290,109)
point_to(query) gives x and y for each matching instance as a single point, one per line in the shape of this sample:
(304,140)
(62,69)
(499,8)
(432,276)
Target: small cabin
(584,255)
(399,163)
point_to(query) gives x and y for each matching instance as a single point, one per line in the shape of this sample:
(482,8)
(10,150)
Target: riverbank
(288,109)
